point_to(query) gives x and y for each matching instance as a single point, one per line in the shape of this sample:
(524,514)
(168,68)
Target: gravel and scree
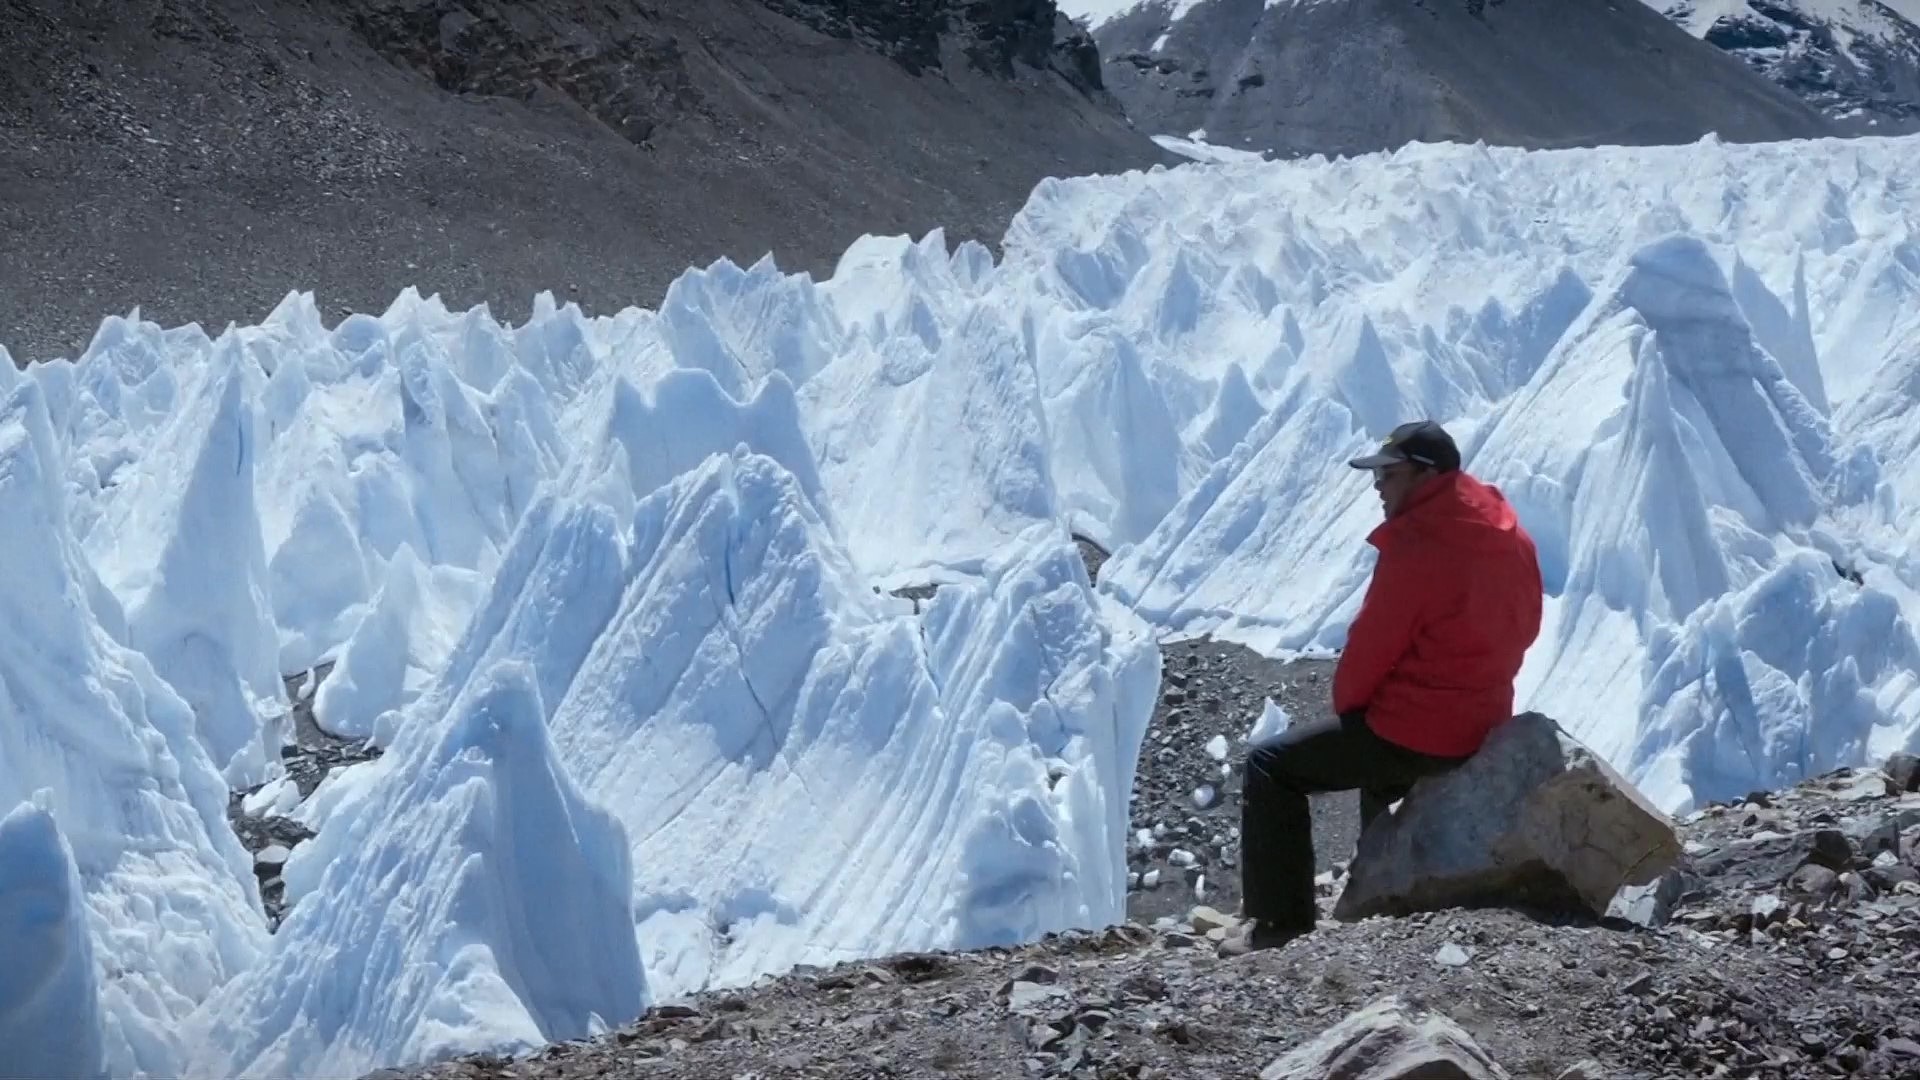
(269,835)
(1186,796)
(1764,960)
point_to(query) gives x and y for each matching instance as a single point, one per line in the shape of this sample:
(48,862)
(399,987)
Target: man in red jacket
(1427,672)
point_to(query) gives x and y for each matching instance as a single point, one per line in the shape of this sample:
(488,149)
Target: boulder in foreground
(1388,1040)
(1535,819)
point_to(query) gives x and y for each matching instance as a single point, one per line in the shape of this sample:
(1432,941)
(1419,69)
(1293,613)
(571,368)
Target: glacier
(471,899)
(102,770)
(50,999)
(752,631)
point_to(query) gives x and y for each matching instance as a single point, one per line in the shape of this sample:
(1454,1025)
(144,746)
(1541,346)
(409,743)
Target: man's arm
(1383,630)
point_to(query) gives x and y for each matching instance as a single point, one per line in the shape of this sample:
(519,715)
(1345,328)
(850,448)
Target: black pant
(1276,826)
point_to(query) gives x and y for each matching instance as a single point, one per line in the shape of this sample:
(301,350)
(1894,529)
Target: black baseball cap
(1421,442)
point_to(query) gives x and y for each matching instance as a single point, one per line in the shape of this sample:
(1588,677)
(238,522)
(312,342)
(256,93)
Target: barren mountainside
(200,158)
(1353,76)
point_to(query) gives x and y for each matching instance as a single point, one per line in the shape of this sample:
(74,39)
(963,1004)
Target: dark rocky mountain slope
(1354,76)
(1857,61)
(201,158)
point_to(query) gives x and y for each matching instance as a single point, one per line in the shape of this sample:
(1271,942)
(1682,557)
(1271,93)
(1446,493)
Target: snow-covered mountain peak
(1858,61)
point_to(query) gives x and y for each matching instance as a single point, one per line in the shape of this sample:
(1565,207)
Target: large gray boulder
(1534,819)
(1388,1040)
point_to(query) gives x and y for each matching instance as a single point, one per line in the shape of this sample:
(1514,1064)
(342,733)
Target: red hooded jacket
(1452,608)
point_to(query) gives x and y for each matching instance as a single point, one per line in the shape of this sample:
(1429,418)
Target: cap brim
(1376,461)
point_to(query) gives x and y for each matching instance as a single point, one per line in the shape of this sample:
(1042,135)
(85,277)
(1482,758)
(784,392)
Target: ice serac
(1786,334)
(1235,412)
(1031,646)
(1700,463)
(181,547)
(466,898)
(1866,311)
(750,679)
(1267,547)
(1117,460)
(378,441)
(169,898)
(1364,379)
(369,677)
(1648,544)
(690,416)
(446,447)
(742,325)
(559,582)
(556,347)
(892,286)
(1829,669)
(890,424)
(318,577)
(1775,441)
(400,645)
(1881,422)
(527,436)
(49,997)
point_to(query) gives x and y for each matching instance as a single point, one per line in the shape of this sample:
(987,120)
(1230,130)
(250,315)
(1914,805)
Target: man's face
(1395,482)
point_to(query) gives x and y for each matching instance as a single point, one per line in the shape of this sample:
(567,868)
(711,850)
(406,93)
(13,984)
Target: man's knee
(1274,761)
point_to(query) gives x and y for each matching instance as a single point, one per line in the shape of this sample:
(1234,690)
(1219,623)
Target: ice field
(614,594)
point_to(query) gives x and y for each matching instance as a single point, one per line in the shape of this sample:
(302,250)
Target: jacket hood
(1456,507)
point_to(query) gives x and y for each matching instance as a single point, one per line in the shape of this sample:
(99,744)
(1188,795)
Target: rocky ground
(1186,795)
(1790,948)
(268,834)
